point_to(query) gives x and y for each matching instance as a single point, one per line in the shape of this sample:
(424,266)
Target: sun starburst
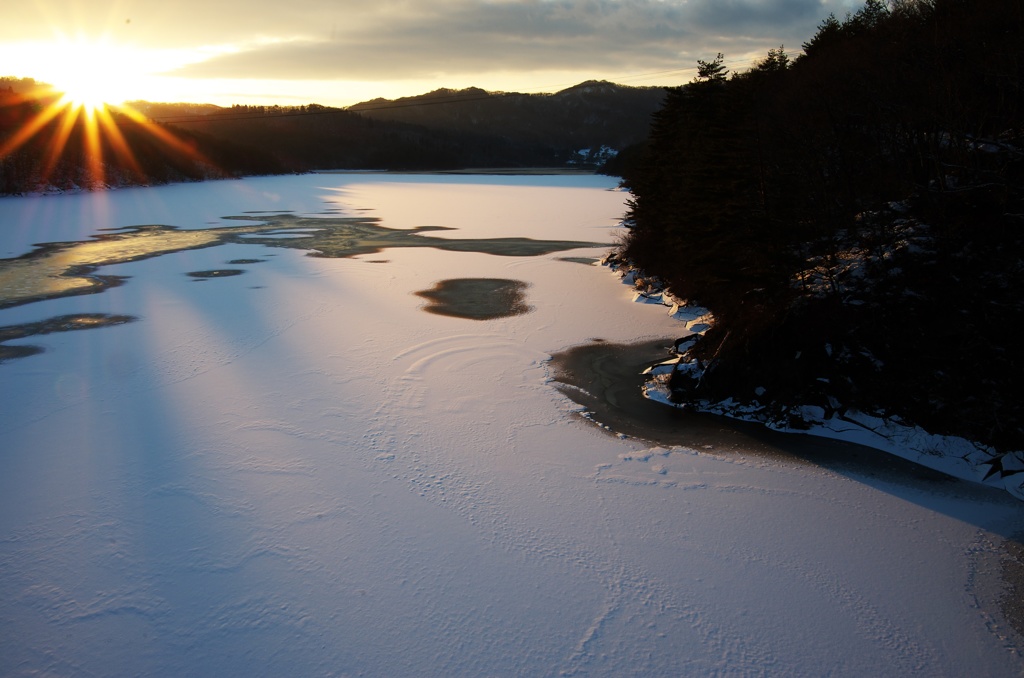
(83,114)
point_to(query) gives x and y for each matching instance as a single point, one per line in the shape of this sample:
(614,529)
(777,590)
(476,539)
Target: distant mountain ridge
(588,115)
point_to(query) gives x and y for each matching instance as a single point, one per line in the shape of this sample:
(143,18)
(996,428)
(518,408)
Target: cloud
(415,38)
(746,17)
(388,40)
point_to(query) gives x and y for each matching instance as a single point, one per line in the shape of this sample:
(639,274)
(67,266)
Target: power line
(231,115)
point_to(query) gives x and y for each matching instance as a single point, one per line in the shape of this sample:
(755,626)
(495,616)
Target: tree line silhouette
(443,130)
(853,217)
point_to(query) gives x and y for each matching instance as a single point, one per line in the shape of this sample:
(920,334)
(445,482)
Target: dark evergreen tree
(842,206)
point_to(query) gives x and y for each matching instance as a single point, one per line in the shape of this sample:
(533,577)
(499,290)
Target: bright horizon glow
(93,72)
(338,55)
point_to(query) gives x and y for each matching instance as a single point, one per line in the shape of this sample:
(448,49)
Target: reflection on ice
(60,269)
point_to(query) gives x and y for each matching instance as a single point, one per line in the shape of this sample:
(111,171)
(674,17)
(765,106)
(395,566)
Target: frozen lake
(278,464)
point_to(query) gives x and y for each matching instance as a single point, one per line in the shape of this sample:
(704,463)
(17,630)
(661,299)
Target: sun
(91,74)
(86,99)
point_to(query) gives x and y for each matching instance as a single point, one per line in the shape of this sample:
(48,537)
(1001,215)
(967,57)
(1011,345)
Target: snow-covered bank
(956,456)
(296,470)
(959,457)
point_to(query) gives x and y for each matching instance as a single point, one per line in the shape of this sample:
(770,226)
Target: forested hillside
(319,137)
(853,217)
(589,115)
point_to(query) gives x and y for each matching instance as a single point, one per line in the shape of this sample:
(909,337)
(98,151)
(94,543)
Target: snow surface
(297,471)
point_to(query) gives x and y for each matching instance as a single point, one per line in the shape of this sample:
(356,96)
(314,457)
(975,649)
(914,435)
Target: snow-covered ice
(298,471)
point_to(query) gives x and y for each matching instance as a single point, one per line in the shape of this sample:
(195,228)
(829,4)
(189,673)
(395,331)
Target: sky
(340,52)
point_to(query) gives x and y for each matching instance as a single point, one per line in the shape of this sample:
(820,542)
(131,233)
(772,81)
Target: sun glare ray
(162,134)
(37,123)
(93,147)
(59,142)
(117,141)
(65,125)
